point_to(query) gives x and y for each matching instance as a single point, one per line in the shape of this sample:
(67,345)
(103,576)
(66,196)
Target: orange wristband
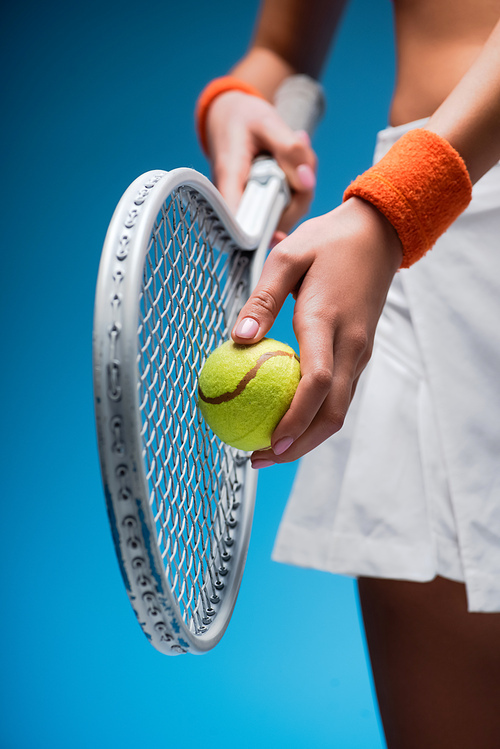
(212,91)
(421,186)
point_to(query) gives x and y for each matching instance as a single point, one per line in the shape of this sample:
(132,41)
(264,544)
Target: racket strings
(193,287)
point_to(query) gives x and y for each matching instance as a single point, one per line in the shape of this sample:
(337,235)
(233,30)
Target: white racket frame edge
(118,419)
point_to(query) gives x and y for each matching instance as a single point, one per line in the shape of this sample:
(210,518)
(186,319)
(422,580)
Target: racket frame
(118,419)
(300,102)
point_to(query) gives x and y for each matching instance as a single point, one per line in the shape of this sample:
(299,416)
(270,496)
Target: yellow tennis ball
(244,391)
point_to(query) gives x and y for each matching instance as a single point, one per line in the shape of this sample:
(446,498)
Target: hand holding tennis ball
(244,391)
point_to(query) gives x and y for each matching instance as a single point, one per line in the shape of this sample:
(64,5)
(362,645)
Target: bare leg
(436,667)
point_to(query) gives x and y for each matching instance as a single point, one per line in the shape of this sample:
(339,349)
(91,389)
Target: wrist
(210,93)
(421,186)
(264,69)
(379,229)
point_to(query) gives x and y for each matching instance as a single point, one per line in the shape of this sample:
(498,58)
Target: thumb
(231,180)
(280,276)
(257,316)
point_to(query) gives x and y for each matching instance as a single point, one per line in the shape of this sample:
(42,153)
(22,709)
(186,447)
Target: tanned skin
(437,42)
(436,667)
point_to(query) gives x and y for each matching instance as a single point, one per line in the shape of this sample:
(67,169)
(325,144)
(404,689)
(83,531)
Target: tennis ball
(244,391)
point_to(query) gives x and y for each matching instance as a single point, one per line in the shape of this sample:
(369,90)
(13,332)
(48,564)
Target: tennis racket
(175,270)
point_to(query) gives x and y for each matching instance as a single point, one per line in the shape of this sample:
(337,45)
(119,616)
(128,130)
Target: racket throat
(266,196)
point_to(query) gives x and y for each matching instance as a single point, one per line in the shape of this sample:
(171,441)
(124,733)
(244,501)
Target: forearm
(264,69)
(469,118)
(291,36)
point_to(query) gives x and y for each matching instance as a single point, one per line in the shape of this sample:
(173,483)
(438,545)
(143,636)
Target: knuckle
(322,378)
(318,316)
(280,256)
(301,153)
(282,261)
(297,151)
(327,310)
(263,301)
(359,341)
(292,151)
(335,419)
(366,356)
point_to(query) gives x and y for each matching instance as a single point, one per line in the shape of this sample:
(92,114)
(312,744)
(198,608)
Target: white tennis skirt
(410,487)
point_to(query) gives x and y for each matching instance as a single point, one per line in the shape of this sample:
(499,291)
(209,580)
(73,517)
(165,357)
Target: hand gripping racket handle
(301,103)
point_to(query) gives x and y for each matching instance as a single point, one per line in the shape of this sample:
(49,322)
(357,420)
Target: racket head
(174,272)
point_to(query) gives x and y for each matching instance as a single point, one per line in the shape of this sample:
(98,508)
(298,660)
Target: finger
(296,210)
(282,271)
(230,171)
(231,156)
(319,430)
(348,364)
(317,373)
(300,169)
(327,422)
(232,165)
(304,137)
(292,151)
(277,237)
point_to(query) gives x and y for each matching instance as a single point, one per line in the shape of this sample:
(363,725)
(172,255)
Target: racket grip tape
(300,102)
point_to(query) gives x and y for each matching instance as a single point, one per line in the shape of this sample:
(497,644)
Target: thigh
(436,667)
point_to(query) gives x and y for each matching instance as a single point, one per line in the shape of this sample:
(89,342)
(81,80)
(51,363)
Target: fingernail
(259,463)
(306,176)
(247,328)
(282,445)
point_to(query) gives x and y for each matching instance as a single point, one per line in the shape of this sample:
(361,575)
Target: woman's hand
(339,268)
(239,128)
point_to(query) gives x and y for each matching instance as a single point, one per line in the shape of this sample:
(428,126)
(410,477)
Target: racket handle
(300,102)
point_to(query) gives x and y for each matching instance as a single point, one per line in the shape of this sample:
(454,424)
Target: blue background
(95,93)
